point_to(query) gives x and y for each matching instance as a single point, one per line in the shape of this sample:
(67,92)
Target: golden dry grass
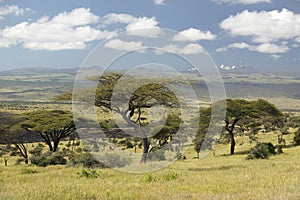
(213,177)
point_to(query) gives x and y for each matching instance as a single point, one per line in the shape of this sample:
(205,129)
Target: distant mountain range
(237,68)
(37,70)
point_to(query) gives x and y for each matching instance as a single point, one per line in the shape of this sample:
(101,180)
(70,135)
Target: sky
(264,34)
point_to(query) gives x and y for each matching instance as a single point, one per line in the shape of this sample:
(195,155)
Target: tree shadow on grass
(245,152)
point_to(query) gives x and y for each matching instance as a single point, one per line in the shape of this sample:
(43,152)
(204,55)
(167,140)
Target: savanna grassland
(213,177)
(216,176)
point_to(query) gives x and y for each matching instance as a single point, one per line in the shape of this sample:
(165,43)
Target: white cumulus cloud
(185,50)
(136,26)
(11,10)
(159,2)
(77,17)
(194,34)
(275,56)
(65,31)
(268,48)
(113,18)
(144,27)
(264,26)
(120,45)
(245,2)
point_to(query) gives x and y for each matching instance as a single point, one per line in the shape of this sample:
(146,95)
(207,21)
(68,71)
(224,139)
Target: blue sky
(264,34)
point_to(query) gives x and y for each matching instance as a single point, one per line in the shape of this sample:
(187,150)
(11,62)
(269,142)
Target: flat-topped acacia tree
(143,98)
(11,133)
(51,125)
(242,113)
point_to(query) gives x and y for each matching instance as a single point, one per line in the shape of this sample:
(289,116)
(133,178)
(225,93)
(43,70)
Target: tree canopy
(51,125)
(135,114)
(245,114)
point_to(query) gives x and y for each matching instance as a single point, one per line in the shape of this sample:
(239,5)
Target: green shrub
(170,176)
(57,159)
(48,158)
(114,160)
(37,151)
(28,171)
(261,151)
(148,178)
(156,155)
(85,160)
(297,137)
(88,173)
(41,161)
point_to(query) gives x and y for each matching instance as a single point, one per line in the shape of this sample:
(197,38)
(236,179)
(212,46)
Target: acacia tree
(51,125)
(11,133)
(135,114)
(250,114)
(205,116)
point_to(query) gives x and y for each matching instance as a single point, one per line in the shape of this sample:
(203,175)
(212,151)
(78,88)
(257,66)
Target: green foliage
(57,159)
(114,160)
(171,176)
(297,137)
(148,178)
(48,159)
(239,112)
(85,160)
(29,171)
(37,151)
(41,161)
(204,120)
(261,151)
(157,155)
(88,173)
(47,120)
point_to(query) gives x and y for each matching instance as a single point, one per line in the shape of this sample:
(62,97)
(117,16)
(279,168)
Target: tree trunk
(232,146)
(146,145)
(55,145)
(50,146)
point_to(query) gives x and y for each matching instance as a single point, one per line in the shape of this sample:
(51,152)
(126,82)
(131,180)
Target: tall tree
(135,114)
(51,125)
(242,113)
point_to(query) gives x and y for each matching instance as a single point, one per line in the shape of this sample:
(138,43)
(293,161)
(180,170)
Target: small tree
(13,134)
(51,125)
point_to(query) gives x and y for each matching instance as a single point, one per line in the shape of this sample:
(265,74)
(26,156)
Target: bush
(114,160)
(48,158)
(37,151)
(57,159)
(261,151)
(88,173)
(85,160)
(41,161)
(156,156)
(297,138)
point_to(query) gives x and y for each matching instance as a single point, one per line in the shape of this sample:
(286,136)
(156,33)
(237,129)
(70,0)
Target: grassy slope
(219,177)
